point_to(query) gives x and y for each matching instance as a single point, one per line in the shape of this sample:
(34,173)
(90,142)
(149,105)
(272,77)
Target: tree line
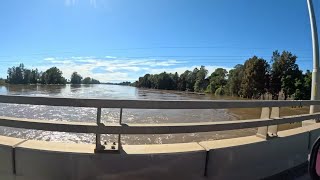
(77,79)
(256,78)
(22,75)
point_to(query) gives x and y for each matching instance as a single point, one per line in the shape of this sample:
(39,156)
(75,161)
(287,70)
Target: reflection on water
(110,115)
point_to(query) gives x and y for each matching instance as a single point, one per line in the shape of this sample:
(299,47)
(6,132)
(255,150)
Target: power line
(164,47)
(203,47)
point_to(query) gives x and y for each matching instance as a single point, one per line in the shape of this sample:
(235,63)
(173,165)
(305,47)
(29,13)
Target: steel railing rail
(166,128)
(152,104)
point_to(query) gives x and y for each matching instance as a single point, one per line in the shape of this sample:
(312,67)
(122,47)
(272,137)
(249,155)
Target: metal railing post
(99,147)
(119,135)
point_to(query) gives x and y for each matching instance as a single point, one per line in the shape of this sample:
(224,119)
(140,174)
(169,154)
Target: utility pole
(315,49)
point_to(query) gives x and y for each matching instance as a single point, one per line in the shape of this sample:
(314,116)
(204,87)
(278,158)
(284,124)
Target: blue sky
(117,40)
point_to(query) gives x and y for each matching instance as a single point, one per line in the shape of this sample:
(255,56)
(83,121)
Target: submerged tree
(76,78)
(53,76)
(89,80)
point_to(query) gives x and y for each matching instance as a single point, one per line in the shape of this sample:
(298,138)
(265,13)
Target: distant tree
(255,77)
(217,80)
(201,82)
(182,83)
(289,85)
(52,76)
(165,81)
(251,80)
(219,92)
(89,80)
(35,76)
(86,80)
(2,81)
(75,78)
(175,79)
(284,72)
(94,81)
(303,86)
(153,78)
(145,81)
(191,79)
(22,75)
(15,75)
(27,76)
(307,77)
(125,83)
(234,80)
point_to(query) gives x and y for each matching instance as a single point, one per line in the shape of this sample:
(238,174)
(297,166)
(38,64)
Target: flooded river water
(112,115)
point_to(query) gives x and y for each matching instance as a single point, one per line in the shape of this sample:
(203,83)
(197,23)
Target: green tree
(201,82)
(191,79)
(303,86)
(27,76)
(255,77)
(76,78)
(35,76)
(165,81)
(217,80)
(175,79)
(284,73)
(289,81)
(234,80)
(95,81)
(154,81)
(145,81)
(219,92)
(52,76)
(15,75)
(22,75)
(89,80)
(2,81)
(86,80)
(182,83)
(307,77)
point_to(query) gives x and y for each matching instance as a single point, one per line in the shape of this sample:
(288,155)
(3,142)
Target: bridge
(268,153)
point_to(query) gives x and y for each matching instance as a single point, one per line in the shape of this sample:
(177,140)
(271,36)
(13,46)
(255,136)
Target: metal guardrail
(270,116)
(152,104)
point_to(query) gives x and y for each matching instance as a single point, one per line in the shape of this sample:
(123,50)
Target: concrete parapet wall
(314,131)
(238,158)
(254,158)
(45,160)
(7,156)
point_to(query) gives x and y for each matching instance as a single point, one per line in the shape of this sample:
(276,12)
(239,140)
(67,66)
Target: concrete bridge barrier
(245,157)
(254,157)
(47,160)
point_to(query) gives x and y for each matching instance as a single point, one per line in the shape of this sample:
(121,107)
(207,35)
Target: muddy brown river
(129,115)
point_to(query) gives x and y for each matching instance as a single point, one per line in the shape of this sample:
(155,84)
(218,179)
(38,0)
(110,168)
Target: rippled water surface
(110,115)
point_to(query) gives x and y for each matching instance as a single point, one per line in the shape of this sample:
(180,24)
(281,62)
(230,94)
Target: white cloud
(49,59)
(110,57)
(115,70)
